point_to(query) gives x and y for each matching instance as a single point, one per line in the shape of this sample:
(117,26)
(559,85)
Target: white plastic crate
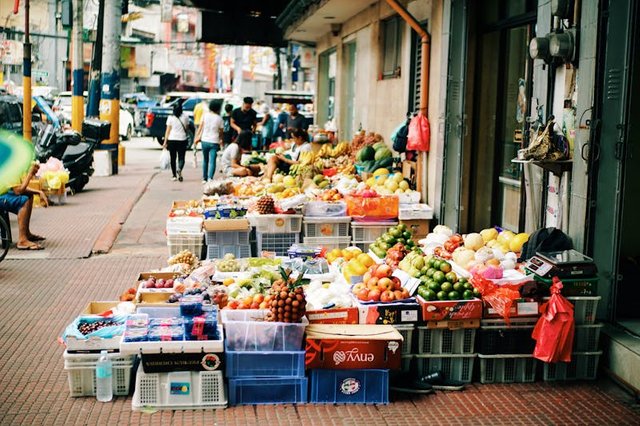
(186,224)
(445,341)
(239,251)
(81,369)
(322,227)
(583,366)
(179,390)
(227,238)
(507,368)
(276,223)
(362,245)
(585,308)
(587,337)
(454,366)
(278,243)
(325,208)
(369,231)
(407,332)
(187,241)
(329,243)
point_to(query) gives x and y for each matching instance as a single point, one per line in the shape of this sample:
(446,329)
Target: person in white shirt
(175,140)
(209,134)
(285,161)
(230,161)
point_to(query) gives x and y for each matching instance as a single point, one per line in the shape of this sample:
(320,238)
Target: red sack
(419,134)
(555,329)
(499,297)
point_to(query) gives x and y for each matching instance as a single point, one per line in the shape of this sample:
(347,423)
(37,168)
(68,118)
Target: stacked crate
(365,233)
(276,232)
(220,243)
(327,232)
(185,233)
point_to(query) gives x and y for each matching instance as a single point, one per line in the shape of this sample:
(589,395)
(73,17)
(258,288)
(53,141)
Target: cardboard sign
(333,316)
(390,313)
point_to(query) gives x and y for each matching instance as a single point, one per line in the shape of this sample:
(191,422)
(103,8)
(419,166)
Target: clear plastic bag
(165,159)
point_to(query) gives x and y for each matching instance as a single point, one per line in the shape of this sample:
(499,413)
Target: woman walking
(175,140)
(210,135)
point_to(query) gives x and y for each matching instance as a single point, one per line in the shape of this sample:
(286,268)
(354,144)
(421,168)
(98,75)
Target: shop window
(391,30)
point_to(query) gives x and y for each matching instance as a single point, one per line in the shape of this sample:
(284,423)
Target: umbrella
(16,155)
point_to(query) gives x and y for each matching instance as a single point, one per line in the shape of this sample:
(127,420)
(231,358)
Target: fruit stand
(321,288)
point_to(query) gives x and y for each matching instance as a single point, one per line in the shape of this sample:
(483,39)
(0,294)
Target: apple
(385,284)
(387,296)
(149,284)
(405,293)
(373,281)
(366,277)
(358,287)
(160,283)
(374,295)
(363,294)
(397,285)
(383,271)
(255,305)
(398,294)
(169,283)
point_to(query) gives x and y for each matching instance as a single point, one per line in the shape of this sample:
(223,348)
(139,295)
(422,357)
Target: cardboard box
(226,225)
(437,310)
(96,308)
(419,227)
(342,347)
(454,324)
(522,308)
(389,313)
(155,295)
(334,316)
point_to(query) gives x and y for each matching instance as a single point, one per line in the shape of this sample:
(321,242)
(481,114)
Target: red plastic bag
(499,297)
(419,134)
(555,329)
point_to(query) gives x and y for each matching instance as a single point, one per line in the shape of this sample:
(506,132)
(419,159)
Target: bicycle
(5,238)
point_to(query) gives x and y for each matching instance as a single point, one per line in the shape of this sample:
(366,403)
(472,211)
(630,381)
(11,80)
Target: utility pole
(77,100)
(110,79)
(26,72)
(93,101)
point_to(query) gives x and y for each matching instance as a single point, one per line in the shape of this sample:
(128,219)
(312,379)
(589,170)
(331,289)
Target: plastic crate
(496,337)
(251,391)
(583,366)
(362,245)
(349,387)
(276,223)
(405,365)
(246,330)
(322,227)
(264,364)
(184,224)
(382,207)
(186,241)
(571,286)
(179,390)
(328,243)
(227,238)
(81,369)
(585,308)
(239,251)
(445,341)
(504,368)
(325,208)
(455,366)
(587,337)
(369,231)
(278,243)
(407,332)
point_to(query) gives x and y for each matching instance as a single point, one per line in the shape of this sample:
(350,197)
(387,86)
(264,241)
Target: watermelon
(366,154)
(382,153)
(379,145)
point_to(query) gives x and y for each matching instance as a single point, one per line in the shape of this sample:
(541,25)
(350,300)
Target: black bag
(545,240)
(401,137)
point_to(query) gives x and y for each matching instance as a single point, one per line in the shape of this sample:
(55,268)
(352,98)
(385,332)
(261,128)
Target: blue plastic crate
(253,391)
(264,364)
(349,386)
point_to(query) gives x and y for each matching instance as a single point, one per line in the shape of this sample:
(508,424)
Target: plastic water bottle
(104,373)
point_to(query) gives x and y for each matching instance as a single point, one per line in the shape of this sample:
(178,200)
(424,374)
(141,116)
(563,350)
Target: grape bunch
(185,256)
(89,327)
(288,303)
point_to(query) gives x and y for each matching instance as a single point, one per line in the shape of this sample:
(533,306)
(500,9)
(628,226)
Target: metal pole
(77,100)
(26,77)
(93,101)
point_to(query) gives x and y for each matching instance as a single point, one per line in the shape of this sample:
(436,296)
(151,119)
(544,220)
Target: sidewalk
(42,292)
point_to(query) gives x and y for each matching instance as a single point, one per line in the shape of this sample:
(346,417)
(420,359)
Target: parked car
(10,113)
(62,106)
(137,104)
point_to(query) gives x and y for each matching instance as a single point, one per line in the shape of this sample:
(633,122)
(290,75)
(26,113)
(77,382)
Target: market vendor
(286,160)
(245,117)
(295,121)
(232,155)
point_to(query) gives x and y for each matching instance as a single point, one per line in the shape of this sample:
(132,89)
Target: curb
(112,229)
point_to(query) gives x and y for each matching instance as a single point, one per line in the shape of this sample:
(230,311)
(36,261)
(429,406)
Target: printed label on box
(350,386)
(409,316)
(179,388)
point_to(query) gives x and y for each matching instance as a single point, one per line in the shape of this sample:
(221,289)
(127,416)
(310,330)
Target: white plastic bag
(165,159)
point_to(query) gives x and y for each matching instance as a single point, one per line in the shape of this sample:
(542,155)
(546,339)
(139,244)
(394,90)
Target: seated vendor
(232,154)
(284,161)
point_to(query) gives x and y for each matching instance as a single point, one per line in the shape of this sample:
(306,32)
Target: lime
(476,292)
(454,295)
(433,286)
(451,277)
(430,272)
(436,264)
(424,270)
(430,262)
(458,287)
(441,295)
(446,286)
(401,227)
(445,266)
(407,235)
(467,285)
(468,294)
(431,295)
(438,277)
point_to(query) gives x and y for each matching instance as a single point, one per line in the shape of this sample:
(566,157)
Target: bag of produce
(87,326)
(419,134)
(555,329)
(499,297)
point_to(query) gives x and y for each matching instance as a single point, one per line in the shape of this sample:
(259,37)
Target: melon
(366,154)
(382,153)
(379,145)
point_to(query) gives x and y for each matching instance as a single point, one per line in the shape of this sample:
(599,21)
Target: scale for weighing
(562,264)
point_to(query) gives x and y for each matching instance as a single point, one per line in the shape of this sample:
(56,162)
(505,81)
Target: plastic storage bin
(179,390)
(407,332)
(507,368)
(583,366)
(81,369)
(369,232)
(249,391)
(496,337)
(445,341)
(227,238)
(184,224)
(383,207)
(239,251)
(325,208)
(587,337)
(246,330)
(326,226)
(276,223)
(264,364)
(328,243)
(455,366)
(185,241)
(278,243)
(349,387)
(572,286)
(584,308)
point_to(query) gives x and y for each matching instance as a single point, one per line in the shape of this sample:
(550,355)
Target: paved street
(43,291)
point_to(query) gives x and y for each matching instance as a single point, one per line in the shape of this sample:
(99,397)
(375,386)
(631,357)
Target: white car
(62,106)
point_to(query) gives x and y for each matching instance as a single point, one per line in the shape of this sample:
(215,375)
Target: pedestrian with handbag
(176,140)
(209,134)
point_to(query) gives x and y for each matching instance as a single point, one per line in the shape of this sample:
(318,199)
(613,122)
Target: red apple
(372,282)
(405,293)
(363,294)
(358,287)
(387,296)
(366,276)
(149,284)
(385,284)
(383,271)
(398,294)
(397,285)
(374,295)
